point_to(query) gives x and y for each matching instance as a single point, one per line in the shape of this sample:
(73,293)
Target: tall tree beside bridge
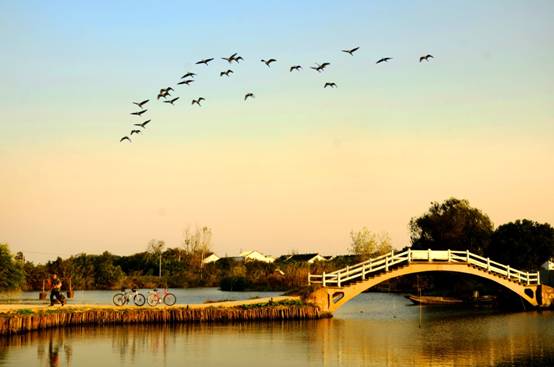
(523,244)
(368,244)
(453,224)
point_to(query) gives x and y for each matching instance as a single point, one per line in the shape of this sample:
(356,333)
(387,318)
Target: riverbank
(16,319)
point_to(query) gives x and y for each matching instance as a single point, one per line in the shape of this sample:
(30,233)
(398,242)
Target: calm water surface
(374,329)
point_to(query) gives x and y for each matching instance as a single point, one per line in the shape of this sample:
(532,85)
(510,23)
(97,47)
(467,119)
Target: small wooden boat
(434,300)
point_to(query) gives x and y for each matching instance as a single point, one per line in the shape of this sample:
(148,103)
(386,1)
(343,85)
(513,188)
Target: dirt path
(6,308)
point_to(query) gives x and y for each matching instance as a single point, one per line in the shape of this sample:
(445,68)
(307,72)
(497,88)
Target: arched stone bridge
(342,285)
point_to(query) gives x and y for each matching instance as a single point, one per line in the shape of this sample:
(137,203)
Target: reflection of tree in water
(149,339)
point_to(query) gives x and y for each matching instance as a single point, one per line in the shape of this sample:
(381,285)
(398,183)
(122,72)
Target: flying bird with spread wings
(384,59)
(226,73)
(125,138)
(143,125)
(248,95)
(186,81)
(188,75)
(140,104)
(351,51)
(171,101)
(138,113)
(426,58)
(295,68)
(330,84)
(204,61)
(197,101)
(231,58)
(320,68)
(135,132)
(164,92)
(268,62)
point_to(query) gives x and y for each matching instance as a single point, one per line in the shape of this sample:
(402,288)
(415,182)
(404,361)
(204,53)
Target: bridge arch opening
(337,297)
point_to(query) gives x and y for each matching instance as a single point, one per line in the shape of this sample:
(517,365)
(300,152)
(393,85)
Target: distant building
(549,265)
(210,259)
(256,256)
(307,258)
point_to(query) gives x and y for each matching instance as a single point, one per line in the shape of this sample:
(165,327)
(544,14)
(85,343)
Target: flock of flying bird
(188,78)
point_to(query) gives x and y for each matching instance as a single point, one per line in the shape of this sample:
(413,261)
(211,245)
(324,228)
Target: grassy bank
(21,320)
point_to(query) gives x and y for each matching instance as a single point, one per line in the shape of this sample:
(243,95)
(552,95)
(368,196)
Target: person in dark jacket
(55,291)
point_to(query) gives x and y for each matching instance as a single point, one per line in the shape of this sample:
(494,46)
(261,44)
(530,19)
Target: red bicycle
(155,298)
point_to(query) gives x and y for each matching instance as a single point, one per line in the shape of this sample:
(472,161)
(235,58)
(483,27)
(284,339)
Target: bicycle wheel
(152,299)
(139,299)
(170,299)
(119,299)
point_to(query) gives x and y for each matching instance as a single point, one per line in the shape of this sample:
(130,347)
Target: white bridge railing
(385,262)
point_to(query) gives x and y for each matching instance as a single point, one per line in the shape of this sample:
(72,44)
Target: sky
(297,167)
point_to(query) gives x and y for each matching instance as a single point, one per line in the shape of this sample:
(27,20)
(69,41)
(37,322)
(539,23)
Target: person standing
(55,290)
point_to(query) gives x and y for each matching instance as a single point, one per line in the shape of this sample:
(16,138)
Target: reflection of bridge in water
(342,285)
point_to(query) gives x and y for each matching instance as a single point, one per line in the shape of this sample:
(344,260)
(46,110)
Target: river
(374,329)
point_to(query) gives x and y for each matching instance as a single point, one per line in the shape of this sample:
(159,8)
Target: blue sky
(483,106)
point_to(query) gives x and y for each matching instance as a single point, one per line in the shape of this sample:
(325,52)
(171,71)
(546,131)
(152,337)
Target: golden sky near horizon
(302,194)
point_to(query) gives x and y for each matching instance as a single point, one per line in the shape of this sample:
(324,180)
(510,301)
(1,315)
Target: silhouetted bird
(204,61)
(143,125)
(188,75)
(426,58)
(351,51)
(231,58)
(186,81)
(138,113)
(164,92)
(320,68)
(124,138)
(140,104)
(267,62)
(135,132)
(226,73)
(238,58)
(171,101)
(197,101)
(295,68)
(384,59)
(330,84)
(251,95)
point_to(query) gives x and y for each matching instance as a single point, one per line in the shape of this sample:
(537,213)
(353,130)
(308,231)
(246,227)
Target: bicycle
(155,298)
(126,295)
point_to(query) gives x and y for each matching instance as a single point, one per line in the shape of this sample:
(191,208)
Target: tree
(199,241)
(155,249)
(197,245)
(453,225)
(107,275)
(11,270)
(367,244)
(523,244)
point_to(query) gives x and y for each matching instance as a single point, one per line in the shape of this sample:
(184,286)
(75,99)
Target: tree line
(452,224)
